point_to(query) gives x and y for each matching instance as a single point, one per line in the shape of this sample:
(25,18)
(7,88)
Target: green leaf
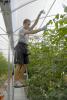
(57,16)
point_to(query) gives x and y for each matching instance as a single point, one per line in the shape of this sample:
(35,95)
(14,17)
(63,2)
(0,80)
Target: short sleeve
(21,31)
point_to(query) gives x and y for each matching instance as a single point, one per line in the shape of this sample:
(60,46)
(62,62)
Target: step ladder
(12,92)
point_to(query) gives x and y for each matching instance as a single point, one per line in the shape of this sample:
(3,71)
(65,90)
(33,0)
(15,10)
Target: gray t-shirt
(22,36)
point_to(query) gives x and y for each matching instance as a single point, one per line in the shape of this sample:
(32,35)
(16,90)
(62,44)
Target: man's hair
(26,20)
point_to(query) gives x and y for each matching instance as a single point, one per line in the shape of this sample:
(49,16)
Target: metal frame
(5,1)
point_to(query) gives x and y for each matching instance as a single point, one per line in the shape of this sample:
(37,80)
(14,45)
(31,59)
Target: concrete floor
(19,94)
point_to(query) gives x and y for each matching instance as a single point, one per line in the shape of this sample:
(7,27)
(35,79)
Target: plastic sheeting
(30,11)
(22,9)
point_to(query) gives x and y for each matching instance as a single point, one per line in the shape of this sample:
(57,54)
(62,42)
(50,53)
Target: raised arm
(36,31)
(37,19)
(44,28)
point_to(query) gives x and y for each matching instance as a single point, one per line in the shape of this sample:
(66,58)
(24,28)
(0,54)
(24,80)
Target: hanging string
(48,12)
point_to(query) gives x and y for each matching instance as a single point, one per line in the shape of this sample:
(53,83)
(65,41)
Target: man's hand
(42,12)
(37,19)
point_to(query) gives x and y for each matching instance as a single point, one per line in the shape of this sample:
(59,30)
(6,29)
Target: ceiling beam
(5,5)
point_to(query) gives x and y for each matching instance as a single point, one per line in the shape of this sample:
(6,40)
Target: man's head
(26,23)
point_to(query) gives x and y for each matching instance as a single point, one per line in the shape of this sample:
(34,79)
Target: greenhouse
(40,26)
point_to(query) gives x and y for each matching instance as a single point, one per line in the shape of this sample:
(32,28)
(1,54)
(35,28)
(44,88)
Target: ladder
(14,93)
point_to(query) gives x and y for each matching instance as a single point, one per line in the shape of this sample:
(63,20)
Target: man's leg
(21,73)
(25,67)
(18,71)
(16,77)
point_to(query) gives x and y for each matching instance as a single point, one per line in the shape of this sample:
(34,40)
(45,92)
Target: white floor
(19,94)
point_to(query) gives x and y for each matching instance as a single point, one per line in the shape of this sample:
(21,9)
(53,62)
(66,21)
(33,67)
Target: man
(21,52)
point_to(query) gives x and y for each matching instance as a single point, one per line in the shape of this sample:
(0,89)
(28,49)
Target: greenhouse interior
(33,49)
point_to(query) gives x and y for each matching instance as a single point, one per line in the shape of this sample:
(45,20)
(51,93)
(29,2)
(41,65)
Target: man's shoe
(19,84)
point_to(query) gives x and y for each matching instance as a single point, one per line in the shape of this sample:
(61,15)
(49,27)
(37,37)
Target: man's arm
(37,19)
(36,31)
(44,28)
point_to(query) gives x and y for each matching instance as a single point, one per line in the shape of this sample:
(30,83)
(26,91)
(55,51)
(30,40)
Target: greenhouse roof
(14,12)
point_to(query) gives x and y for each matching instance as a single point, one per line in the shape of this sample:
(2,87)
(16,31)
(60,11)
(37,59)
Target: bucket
(1,97)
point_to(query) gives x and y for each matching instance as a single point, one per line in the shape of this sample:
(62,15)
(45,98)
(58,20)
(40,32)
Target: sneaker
(18,84)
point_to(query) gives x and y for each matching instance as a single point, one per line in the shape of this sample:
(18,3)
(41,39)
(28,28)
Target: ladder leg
(9,71)
(13,75)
